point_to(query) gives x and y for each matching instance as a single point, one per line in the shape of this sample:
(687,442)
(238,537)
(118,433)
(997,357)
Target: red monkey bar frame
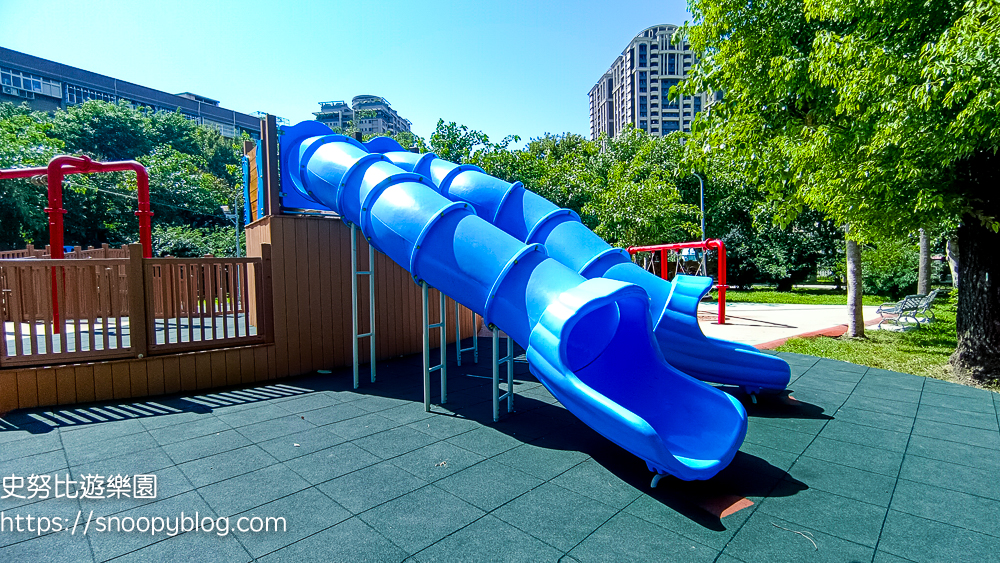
(59,167)
(710,244)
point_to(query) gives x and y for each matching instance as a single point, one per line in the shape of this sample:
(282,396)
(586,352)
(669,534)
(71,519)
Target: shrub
(890,267)
(191,242)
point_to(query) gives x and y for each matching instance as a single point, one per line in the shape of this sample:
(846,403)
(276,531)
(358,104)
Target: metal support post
(497,362)
(443,366)
(458,337)
(354,303)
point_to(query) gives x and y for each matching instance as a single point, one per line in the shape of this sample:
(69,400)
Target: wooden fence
(197,301)
(103,251)
(64,311)
(73,310)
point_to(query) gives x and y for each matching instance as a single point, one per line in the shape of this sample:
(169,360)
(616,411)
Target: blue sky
(521,67)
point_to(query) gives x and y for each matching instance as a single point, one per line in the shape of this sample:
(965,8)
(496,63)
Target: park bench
(915,307)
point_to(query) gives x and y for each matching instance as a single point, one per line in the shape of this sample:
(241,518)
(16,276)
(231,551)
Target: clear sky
(517,67)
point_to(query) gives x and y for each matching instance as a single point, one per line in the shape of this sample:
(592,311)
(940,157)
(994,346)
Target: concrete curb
(833,332)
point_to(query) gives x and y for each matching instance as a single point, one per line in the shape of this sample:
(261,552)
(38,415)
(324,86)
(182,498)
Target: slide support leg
(443,366)
(355,330)
(497,362)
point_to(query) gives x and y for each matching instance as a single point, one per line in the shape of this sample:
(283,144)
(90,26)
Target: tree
(758,55)
(924,267)
(891,267)
(181,133)
(456,143)
(640,203)
(193,170)
(104,130)
(408,140)
(880,114)
(24,143)
(758,250)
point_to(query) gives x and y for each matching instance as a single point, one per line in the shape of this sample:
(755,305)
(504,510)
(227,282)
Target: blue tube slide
(589,341)
(533,219)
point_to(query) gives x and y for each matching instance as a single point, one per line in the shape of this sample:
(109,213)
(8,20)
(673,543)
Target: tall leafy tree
(24,143)
(882,114)
(104,130)
(638,201)
(454,142)
(193,170)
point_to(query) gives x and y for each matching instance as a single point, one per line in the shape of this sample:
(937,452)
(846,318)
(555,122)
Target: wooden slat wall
(81,305)
(133,378)
(311,269)
(252,181)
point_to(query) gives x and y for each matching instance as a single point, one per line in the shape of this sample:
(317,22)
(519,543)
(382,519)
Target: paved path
(867,465)
(757,323)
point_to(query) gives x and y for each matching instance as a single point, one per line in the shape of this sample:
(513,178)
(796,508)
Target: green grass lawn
(921,351)
(799,296)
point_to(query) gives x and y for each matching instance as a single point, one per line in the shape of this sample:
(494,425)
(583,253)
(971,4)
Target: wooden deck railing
(29,252)
(75,310)
(193,304)
(103,251)
(63,311)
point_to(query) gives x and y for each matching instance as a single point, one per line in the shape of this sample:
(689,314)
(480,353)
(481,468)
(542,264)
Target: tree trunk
(924,271)
(951,249)
(978,323)
(855,314)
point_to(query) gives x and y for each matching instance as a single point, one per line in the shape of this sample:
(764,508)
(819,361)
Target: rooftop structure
(370,114)
(47,86)
(335,114)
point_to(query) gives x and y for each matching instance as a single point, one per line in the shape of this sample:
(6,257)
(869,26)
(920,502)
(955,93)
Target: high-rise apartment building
(370,114)
(635,89)
(47,86)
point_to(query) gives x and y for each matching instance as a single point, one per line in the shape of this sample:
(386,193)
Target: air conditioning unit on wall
(10,90)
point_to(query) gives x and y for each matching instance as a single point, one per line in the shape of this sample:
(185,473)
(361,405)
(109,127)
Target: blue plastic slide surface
(531,218)
(589,341)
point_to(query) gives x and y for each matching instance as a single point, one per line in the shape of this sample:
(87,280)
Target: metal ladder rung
(354,304)
(497,362)
(443,366)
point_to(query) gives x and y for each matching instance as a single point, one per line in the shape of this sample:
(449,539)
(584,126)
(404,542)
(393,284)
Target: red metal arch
(59,167)
(712,243)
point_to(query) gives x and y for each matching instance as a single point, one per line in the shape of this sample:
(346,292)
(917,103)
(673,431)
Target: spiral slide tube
(590,342)
(533,219)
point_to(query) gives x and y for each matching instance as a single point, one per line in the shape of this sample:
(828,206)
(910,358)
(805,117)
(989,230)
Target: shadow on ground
(538,420)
